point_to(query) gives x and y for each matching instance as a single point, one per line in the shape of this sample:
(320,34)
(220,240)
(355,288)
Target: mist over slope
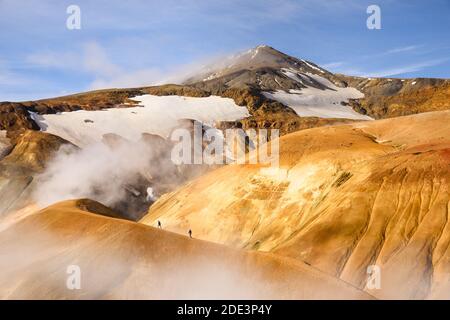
(23,161)
(126,260)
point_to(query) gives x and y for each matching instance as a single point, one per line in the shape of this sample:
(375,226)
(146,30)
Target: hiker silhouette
(190,233)
(159,224)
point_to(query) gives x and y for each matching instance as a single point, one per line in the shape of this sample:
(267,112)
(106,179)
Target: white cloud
(333,65)
(16,87)
(360,72)
(405,69)
(96,61)
(9,78)
(356,68)
(403,49)
(128,79)
(110,75)
(51,59)
(92,59)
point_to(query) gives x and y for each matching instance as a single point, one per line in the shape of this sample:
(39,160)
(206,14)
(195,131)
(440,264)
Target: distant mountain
(261,57)
(278,90)
(265,69)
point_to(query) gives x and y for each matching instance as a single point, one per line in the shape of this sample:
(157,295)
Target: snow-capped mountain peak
(262,56)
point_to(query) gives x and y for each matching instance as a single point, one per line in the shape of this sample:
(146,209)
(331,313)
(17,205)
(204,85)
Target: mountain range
(363,180)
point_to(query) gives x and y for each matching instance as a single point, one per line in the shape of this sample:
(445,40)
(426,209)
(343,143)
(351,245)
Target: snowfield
(314,102)
(312,67)
(156,115)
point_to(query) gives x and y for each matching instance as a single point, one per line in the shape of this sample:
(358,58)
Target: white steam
(151,194)
(105,173)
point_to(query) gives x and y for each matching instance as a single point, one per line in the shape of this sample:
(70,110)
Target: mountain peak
(261,56)
(266,48)
(262,46)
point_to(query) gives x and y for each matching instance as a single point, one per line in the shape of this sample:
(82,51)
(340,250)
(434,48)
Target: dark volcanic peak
(263,68)
(259,57)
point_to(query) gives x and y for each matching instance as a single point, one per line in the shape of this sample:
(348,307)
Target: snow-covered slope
(156,115)
(314,101)
(300,84)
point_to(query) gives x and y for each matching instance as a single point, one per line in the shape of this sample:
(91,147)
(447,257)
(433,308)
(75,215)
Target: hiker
(190,233)
(159,224)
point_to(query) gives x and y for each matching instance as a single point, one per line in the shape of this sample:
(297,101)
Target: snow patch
(312,67)
(211,76)
(254,53)
(313,102)
(156,115)
(150,194)
(292,74)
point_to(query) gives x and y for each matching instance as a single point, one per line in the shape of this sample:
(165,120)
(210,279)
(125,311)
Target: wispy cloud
(394,51)
(358,67)
(406,69)
(9,77)
(333,65)
(96,61)
(93,60)
(404,49)
(141,42)
(344,68)
(53,59)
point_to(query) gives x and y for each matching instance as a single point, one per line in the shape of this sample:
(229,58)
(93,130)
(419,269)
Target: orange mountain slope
(122,259)
(343,198)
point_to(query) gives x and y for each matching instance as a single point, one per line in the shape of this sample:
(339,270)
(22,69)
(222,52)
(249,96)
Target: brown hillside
(388,98)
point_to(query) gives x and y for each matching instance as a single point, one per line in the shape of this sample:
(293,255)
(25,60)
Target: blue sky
(131,43)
